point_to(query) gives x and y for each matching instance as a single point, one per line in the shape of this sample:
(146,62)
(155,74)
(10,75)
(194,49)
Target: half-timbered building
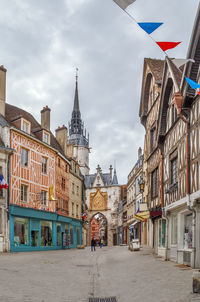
(149,113)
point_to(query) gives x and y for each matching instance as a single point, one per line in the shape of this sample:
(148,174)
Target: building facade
(103,194)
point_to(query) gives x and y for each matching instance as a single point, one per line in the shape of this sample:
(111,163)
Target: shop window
(162,232)
(44,165)
(174,229)
(24,157)
(188,232)
(71,235)
(78,236)
(44,198)
(58,234)
(46,233)
(154,183)
(34,238)
(24,193)
(21,231)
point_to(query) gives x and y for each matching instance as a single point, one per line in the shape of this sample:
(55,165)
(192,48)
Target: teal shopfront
(36,230)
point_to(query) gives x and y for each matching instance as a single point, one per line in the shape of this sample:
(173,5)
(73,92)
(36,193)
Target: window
(153,138)
(44,165)
(24,190)
(24,157)
(25,126)
(188,232)
(34,238)
(174,114)
(63,184)
(21,231)
(162,232)
(73,208)
(77,190)
(66,169)
(154,183)
(58,162)
(46,233)
(46,137)
(174,171)
(174,229)
(77,210)
(44,198)
(73,188)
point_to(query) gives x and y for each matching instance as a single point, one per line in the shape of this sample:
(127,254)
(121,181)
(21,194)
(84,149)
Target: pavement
(75,275)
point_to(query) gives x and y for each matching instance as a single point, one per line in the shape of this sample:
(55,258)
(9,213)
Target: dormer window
(46,137)
(25,126)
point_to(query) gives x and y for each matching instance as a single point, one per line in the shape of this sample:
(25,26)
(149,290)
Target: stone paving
(76,275)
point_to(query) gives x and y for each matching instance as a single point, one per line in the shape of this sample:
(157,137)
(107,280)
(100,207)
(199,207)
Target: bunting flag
(3,183)
(149,27)
(181,62)
(192,83)
(124,3)
(167,45)
(198,92)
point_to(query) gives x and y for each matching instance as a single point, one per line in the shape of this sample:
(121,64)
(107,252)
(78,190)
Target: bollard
(196,282)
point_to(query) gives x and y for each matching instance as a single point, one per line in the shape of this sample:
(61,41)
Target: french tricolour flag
(3,183)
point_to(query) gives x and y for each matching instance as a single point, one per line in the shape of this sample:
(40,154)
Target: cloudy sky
(43,41)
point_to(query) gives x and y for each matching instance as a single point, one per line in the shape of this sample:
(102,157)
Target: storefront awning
(133,224)
(142,216)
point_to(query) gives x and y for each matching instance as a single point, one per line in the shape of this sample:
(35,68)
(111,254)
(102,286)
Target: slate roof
(156,67)
(12,113)
(89,180)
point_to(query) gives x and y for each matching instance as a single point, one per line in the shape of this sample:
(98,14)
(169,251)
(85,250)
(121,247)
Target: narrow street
(77,275)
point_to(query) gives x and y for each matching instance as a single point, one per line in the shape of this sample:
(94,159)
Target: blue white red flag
(149,27)
(192,83)
(3,183)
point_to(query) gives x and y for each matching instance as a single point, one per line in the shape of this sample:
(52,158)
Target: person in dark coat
(93,244)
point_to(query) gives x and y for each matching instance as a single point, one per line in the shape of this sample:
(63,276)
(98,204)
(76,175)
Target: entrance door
(114,239)
(34,238)
(155,239)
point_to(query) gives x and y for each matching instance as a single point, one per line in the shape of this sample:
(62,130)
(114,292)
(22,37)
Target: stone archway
(99,227)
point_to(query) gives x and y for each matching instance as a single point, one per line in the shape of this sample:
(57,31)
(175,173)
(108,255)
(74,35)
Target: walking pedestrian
(101,243)
(93,244)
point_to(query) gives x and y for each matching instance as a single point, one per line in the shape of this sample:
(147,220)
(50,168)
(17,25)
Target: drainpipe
(177,100)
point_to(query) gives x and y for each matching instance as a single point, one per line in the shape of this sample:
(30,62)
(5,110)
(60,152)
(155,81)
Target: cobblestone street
(76,275)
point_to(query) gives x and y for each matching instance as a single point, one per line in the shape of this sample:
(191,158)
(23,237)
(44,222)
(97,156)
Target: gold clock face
(98,200)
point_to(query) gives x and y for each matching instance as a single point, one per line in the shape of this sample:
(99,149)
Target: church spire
(76,99)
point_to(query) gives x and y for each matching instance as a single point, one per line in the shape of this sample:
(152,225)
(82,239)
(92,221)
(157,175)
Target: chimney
(2,89)
(61,136)
(139,152)
(45,118)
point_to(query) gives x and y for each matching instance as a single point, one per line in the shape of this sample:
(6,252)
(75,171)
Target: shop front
(35,230)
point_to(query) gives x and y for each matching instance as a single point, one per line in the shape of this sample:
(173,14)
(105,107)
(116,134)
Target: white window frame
(46,137)
(23,193)
(23,162)
(44,197)
(25,126)
(44,170)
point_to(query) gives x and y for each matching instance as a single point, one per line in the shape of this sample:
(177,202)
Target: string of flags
(193,84)
(3,183)
(148,27)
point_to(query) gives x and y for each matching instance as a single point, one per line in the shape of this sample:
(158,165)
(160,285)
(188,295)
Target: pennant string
(143,30)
